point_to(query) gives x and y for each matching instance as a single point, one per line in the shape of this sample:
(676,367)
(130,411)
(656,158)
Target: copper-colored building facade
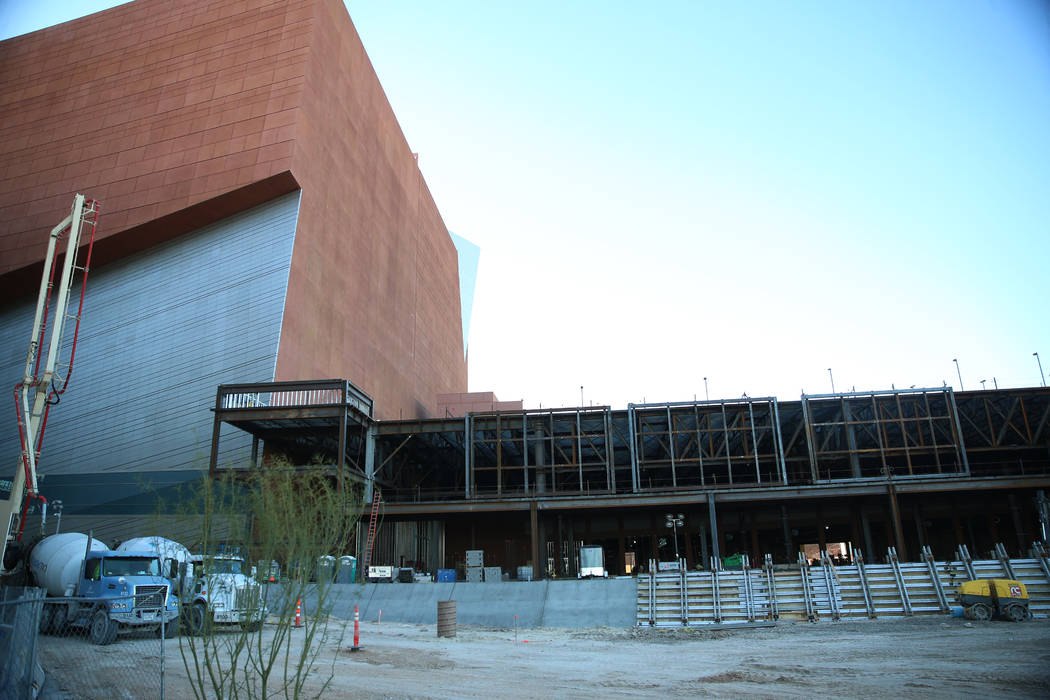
(178,114)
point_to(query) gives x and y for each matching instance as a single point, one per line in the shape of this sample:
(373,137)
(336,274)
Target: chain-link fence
(19,613)
(84,648)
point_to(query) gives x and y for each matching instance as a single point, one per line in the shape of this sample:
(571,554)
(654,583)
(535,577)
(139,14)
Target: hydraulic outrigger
(46,377)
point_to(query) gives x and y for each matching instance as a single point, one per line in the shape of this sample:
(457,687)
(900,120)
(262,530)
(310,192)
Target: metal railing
(329,392)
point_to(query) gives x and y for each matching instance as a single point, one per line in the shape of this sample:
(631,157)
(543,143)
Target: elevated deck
(317,424)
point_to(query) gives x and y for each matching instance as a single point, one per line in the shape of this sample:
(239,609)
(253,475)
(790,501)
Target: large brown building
(178,114)
(262,218)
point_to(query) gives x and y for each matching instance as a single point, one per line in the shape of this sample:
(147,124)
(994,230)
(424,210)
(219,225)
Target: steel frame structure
(1006,431)
(883,433)
(539,452)
(860,459)
(698,444)
(749,445)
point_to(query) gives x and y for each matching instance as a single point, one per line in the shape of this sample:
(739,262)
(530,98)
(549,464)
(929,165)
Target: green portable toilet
(346,572)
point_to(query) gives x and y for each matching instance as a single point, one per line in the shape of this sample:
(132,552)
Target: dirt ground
(929,657)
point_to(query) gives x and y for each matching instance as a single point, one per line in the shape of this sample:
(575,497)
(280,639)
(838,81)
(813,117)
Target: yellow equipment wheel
(1015,613)
(979,611)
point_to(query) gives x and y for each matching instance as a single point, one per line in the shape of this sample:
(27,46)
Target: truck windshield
(130,566)
(226,566)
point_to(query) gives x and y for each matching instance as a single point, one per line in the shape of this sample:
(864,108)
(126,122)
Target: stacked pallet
(475,565)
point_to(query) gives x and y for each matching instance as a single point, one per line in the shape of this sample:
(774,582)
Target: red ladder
(372,525)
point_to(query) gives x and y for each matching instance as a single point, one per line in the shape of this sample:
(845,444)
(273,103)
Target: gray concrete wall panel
(589,603)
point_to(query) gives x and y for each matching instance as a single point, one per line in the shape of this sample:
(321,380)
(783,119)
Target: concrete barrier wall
(587,603)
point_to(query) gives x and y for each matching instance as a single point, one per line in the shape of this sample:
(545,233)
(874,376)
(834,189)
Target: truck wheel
(47,616)
(198,619)
(169,629)
(103,630)
(1016,613)
(251,627)
(60,621)
(979,611)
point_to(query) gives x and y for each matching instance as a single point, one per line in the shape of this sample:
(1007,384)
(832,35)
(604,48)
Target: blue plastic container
(446,576)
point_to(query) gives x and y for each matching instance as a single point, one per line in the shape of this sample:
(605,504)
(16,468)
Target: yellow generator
(1002,597)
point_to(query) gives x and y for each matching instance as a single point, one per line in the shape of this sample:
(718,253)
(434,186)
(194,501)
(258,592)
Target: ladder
(373,520)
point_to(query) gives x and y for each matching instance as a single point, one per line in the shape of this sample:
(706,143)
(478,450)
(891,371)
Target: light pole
(1042,377)
(674,522)
(581,395)
(982,383)
(832,377)
(959,372)
(707,396)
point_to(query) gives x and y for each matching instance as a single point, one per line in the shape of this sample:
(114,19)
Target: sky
(751,192)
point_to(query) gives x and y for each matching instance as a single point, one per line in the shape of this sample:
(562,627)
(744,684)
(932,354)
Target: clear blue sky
(748,191)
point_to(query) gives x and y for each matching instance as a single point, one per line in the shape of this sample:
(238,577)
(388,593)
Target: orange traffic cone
(357,632)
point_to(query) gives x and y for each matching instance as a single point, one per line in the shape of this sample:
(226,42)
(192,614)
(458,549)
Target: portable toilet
(325,570)
(346,572)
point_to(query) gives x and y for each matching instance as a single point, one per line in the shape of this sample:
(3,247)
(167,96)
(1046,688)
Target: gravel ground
(931,657)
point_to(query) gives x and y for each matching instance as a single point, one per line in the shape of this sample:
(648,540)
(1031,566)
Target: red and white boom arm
(46,377)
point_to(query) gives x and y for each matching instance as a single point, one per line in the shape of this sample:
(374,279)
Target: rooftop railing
(328,392)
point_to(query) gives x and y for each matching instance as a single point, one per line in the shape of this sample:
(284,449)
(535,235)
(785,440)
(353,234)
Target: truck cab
(139,593)
(118,591)
(224,591)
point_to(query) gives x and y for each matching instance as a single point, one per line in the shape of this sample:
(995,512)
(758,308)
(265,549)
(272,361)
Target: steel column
(780,443)
(525,450)
(754,441)
(468,452)
(898,530)
(370,461)
(670,447)
(699,448)
(341,460)
(725,438)
(807,420)
(534,530)
(960,447)
(579,450)
(714,527)
(212,460)
(851,438)
(631,414)
(610,470)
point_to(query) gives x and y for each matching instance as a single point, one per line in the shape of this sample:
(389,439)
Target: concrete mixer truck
(104,592)
(219,589)
(225,592)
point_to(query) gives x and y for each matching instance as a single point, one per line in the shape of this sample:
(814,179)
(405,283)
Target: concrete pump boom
(41,386)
